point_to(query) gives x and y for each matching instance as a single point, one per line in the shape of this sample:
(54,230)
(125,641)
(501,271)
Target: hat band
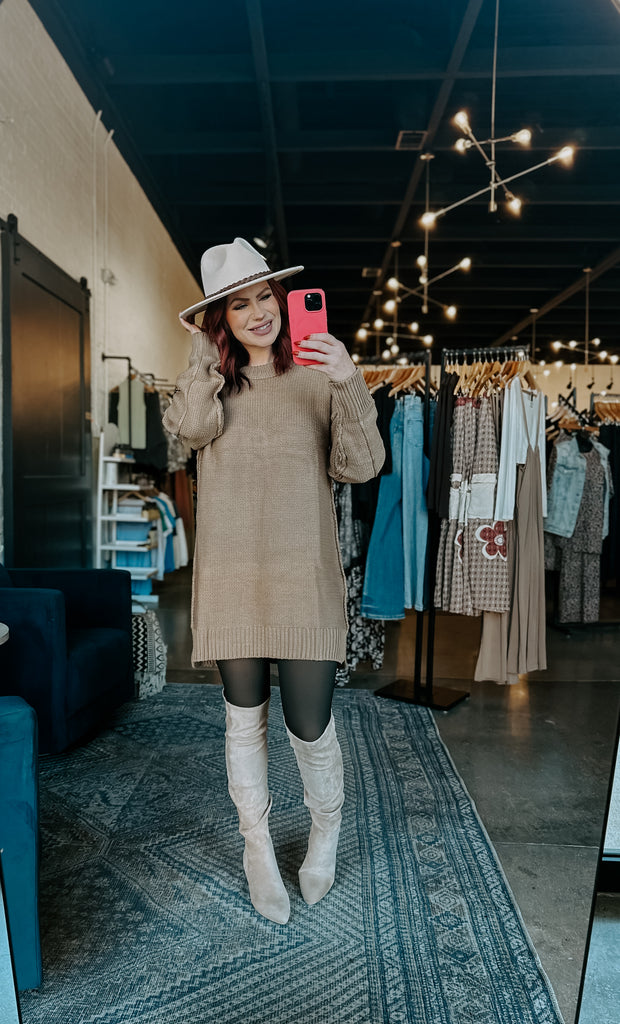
(238,284)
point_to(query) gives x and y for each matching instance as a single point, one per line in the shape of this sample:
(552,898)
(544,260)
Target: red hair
(234,356)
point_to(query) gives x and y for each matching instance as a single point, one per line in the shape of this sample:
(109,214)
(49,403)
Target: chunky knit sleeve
(357,452)
(195,412)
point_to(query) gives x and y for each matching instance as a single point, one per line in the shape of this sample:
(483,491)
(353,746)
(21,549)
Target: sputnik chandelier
(585,347)
(401,292)
(425,280)
(487,150)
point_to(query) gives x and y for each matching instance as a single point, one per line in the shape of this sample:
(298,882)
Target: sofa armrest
(33,662)
(93,597)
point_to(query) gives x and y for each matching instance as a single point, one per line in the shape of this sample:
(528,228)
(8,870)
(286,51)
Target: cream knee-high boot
(246,764)
(320,766)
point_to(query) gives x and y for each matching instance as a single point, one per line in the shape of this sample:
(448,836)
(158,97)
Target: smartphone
(306,315)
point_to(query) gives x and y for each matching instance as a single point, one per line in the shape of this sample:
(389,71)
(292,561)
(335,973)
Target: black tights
(306,689)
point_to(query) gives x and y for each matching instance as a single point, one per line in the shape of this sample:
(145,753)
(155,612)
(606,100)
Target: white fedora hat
(227,268)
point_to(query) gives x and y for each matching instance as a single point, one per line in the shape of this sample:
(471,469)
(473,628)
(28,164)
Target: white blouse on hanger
(513,453)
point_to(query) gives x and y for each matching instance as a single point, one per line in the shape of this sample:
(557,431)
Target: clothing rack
(517,353)
(404,690)
(445,696)
(147,378)
(581,417)
(603,398)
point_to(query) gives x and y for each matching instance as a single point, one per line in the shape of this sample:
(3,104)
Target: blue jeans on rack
(415,466)
(383,596)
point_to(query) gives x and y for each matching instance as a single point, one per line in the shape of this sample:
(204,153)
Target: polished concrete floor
(535,758)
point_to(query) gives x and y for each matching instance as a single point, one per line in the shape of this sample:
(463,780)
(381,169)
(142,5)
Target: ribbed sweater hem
(287,642)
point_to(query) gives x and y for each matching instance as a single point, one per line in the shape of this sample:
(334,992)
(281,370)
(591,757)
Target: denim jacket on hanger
(566,490)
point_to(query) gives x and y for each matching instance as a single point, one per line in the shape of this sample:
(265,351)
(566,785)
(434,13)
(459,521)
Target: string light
(572,344)
(427,339)
(394,349)
(393,284)
(613,359)
(559,363)
(389,306)
(414,327)
(361,334)
(451,312)
(378,324)
(355,357)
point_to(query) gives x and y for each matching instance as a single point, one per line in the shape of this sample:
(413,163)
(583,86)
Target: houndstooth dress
(472,564)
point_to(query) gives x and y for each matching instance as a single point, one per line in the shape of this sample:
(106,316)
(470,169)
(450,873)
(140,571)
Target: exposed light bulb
(554,405)
(461,120)
(361,334)
(451,312)
(595,341)
(613,359)
(462,145)
(393,284)
(556,345)
(573,366)
(355,357)
(386,354)
(465,263)
(603,393)
(602,355)
(546,373)
(378,324)
(389,341)
(427,339)
(514,205)
(542,362)
(421,261)
(394,349)
(414,327)
(427,220)
(403,361)
(260,242)
(559,363)
(423,279)
(565,155)
(572,344)
(389,306)
(523,137)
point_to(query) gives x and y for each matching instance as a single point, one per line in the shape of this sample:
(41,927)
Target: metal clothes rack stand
(440,694)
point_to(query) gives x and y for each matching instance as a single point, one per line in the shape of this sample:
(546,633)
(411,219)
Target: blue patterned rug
(144,909)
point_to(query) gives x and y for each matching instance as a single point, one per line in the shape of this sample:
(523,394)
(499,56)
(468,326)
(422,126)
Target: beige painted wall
(51,145)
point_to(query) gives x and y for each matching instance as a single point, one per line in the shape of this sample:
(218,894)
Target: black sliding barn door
(47,442)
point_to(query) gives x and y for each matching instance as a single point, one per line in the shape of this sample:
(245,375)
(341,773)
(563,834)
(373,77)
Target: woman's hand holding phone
(329,355)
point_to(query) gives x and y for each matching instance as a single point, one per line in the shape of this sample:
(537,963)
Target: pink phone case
(303,322)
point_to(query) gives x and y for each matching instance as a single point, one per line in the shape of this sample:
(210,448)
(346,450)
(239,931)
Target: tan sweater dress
(268,579)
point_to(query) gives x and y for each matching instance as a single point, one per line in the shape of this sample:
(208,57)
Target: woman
(268,582)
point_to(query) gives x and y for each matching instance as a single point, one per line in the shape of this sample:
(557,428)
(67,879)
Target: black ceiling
(241,114)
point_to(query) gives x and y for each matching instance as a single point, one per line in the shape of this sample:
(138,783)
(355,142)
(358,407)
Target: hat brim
(275,275)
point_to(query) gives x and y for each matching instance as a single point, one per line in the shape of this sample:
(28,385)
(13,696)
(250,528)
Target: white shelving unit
(110,487)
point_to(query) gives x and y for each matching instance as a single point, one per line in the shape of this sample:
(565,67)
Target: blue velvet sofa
(19,835)
(69,653)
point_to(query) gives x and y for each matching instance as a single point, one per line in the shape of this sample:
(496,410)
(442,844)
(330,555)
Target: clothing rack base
(439,698)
